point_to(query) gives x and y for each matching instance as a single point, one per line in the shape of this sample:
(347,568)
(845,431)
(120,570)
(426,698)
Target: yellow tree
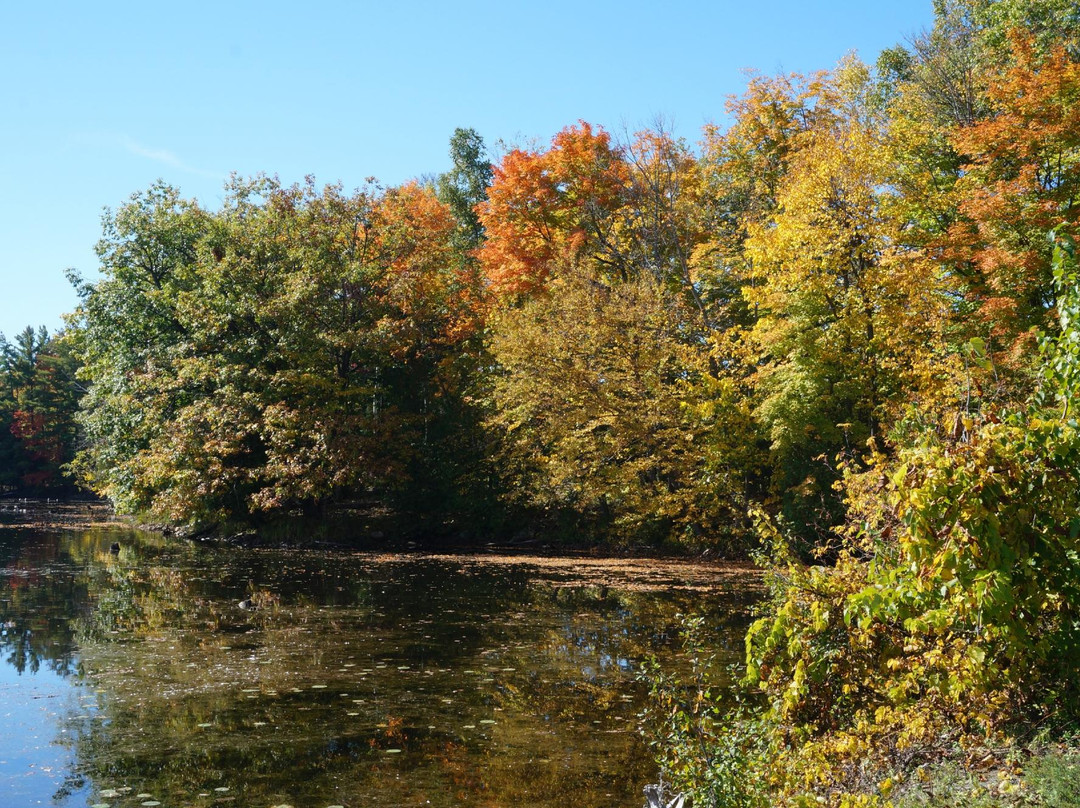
(607,399)
(606,409)
(848,320)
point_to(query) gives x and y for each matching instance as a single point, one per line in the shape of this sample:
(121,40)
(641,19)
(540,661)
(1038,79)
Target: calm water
(136,679)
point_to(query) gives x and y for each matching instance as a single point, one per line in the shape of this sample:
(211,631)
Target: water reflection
(200,676)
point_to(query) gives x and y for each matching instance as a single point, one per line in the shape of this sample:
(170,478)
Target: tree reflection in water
(350,679)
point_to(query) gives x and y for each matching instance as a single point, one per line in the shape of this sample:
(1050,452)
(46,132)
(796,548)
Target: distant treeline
(39,396)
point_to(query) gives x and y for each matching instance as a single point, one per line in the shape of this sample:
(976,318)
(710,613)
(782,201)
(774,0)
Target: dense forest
(845,326)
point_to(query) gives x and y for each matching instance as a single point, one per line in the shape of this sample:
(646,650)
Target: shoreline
(83,513)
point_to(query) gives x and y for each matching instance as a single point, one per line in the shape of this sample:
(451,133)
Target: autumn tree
(607,411)
(592,247)
(295,348)
(124,330)
(548,207)
(1022,177)
(849,322)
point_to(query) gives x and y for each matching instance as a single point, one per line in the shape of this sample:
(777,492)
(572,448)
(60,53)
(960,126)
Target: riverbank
(358,529)
(58,514)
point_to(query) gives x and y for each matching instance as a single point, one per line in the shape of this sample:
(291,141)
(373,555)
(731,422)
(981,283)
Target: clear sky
(100,99)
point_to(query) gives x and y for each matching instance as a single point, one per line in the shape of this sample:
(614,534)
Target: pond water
(175,674)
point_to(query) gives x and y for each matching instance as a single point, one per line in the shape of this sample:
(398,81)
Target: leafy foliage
(38,399)
(282,353)
(607,407)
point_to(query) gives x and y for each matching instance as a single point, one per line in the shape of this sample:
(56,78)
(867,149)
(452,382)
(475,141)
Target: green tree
(465,186)
(288,351)
(39,396)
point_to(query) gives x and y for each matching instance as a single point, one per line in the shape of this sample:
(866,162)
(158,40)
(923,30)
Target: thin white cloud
(165,157)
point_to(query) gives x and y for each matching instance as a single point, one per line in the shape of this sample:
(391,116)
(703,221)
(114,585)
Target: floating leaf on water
(109,793)
(204,726)
(101,805)
(318,687)
(509,670)
(486,721)
(352,713)
(256,724)
(431,726)
(469,726)
(222,789)
(144,796)
(250,690)
(149,804)
(392,751)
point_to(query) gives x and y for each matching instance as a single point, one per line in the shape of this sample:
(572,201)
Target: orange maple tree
(547,206)
(1022,179)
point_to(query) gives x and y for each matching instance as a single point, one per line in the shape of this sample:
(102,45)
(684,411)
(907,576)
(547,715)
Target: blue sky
(100,99)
